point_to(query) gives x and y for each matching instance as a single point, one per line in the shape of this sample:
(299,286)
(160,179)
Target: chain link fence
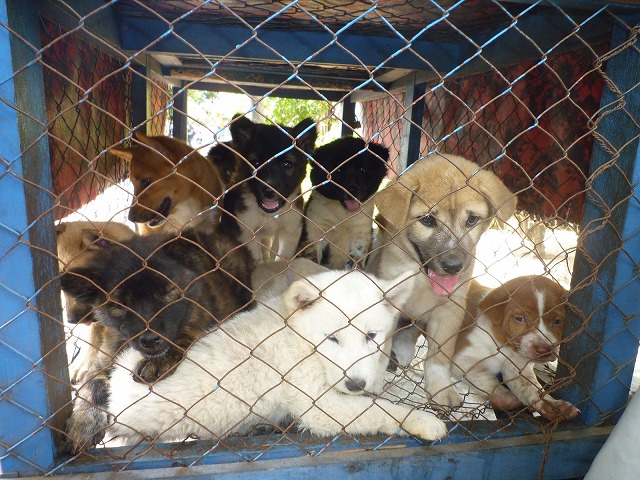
(441,251)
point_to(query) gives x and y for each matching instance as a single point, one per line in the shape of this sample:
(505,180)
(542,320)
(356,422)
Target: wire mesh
(275,285)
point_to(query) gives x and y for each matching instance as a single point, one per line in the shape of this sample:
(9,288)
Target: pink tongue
(351,205)
(442,284)
(270,204)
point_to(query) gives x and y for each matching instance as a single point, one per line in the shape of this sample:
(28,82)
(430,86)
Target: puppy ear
(493,304)
(242,131)
(93,240)
(124,153)
(159,144)
(398,291)
(393,202)
(503,201)
(380,151)
(305,134)
(300,295)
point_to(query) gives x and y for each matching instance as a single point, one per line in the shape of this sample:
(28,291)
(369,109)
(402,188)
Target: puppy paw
(150,370)
(85,428)
(447,397)
(553,409)
(424,425)
(78,373)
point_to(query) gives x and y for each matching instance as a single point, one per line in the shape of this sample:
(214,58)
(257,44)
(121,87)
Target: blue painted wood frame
(505,448)
(34,382)
(412,123)
(180,113)
(606,285)
(538,31)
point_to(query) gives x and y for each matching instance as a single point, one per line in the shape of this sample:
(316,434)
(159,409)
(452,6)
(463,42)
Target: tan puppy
(431,219)
(510,328)
(174,186)
(75,240)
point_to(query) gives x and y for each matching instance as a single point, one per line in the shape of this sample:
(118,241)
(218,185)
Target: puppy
(524,319)
(338,224)
(309,355)
(264,204)
(156,294)
(174,186)
(431,218)
(76,241)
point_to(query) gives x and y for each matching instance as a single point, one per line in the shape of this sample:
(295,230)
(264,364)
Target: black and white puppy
(339,213)
(264,204)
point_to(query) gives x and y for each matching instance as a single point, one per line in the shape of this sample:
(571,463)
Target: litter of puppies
(240,306)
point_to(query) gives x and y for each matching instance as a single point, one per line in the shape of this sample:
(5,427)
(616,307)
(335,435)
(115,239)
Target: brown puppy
(76,241)
(174,186)
(510,328)
(431,218)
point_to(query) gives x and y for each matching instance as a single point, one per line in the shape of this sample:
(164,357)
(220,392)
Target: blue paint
(607,298)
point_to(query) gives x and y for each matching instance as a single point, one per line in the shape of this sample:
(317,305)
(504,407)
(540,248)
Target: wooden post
(411,123)
(348,117)
(34,380)
(604,325)
(180,113)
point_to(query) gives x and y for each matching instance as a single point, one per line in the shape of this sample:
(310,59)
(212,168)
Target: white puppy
(310,356)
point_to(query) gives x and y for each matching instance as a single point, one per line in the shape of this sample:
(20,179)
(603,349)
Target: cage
(540,95)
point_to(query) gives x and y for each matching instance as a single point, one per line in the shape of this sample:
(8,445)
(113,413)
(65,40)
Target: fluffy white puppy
(308,356)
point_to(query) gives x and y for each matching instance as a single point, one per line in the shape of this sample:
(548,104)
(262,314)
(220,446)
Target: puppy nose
(451,264)
(355,384)
(543,350)
(150,341)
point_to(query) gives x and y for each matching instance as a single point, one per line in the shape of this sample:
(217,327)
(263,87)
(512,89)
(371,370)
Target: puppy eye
(556,322)
(287,164)
(145,182)
(371,335)
(472,220)
(428,221)
(363,169)
(332,338)
(519,319)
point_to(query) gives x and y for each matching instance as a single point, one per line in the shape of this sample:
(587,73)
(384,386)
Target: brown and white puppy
(509,329)
(338,227)
(431,218)
(76,242)
(174,186)
(263,205)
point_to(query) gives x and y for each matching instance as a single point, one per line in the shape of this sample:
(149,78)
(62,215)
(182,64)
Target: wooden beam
(605,320)
(348,117)
(411,123)
(34,380)
(180,113)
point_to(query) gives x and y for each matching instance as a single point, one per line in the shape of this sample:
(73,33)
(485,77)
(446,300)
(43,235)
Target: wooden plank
(34,380)
(190,38)
(411,123)
(569,455)
(277,92)
(605,320)
(265,78)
